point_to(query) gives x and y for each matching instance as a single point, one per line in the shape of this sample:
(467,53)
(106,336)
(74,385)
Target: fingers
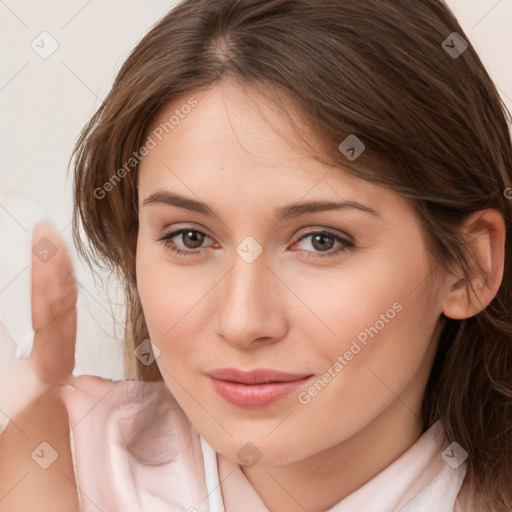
(54,287)
(39,422)
(54,296)
(19,384)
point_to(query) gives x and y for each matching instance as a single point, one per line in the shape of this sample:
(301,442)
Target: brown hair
(435,132)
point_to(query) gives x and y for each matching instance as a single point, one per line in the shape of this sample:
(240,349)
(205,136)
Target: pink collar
(135,450)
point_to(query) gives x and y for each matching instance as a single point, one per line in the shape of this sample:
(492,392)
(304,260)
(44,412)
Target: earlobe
(484,232)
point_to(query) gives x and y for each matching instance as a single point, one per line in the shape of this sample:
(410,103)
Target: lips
(256,388)
(258,376)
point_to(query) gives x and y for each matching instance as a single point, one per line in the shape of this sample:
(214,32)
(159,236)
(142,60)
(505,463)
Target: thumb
(54,297)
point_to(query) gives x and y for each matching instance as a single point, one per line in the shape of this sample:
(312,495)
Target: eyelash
(347,244)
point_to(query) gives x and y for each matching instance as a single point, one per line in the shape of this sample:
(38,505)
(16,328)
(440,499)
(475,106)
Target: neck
(319,482)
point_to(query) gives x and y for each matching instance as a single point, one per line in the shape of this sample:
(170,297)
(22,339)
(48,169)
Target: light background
(44,103)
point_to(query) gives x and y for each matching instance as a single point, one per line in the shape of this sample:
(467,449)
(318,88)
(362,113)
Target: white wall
(45,102)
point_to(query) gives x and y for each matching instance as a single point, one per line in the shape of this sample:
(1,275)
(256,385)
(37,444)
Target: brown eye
(191,239)
(323,242)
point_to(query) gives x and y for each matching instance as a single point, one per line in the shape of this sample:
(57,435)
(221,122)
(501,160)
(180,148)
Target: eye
(191,238)
(323,241)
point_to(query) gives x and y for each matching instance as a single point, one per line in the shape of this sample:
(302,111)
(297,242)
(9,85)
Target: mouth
(257,388)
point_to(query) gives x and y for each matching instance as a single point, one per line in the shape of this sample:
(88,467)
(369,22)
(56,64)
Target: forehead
(234,116)
(236,145)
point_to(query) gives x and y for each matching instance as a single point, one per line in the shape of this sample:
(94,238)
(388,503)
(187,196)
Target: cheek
(376,310)
(353,311)
(172,297)
(383,323)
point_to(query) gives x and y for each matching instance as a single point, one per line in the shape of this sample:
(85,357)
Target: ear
(484,231)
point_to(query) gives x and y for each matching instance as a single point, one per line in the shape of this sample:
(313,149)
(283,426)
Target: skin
(283,311)
(288,311)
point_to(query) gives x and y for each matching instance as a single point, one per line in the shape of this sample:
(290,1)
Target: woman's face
(342,295)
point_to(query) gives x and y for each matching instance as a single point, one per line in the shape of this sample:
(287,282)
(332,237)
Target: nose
(251,310)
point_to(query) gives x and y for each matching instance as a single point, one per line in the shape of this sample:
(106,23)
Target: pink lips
(256,388)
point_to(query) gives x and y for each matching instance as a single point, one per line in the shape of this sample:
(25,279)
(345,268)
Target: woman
(307,205)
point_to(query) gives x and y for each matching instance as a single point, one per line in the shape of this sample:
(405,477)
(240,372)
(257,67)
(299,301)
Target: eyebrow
(285,212)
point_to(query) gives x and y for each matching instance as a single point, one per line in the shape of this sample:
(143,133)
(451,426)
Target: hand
(54,297)
(30,389)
